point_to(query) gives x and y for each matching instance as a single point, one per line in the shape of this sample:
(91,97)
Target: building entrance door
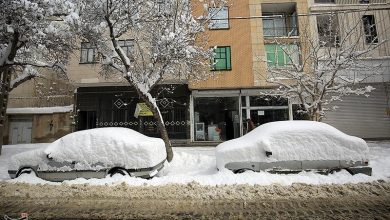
(20,132)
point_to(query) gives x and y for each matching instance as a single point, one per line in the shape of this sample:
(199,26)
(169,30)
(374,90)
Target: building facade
(358,115)
(39,110)
(244,35)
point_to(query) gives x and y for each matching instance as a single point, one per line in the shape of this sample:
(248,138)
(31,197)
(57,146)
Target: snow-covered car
(93,153)
(294,146)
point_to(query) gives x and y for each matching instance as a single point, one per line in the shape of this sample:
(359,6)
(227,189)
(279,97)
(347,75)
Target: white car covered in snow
(294,146)
(93,153)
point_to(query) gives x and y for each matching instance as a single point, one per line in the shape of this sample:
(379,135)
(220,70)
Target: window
(219,18)
(88,53)
(370,29)
(277,56)
(364,1)
(274,26)
(328,30)
(280,25)
(222,59)
(127,46)
(324,1)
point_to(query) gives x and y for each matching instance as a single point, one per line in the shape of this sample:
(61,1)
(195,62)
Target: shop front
(221,115)
(120,106)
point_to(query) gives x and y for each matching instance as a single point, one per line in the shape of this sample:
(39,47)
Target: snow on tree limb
(38,33)
(28,73)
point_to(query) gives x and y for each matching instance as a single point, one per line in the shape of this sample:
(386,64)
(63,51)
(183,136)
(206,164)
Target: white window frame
(219,18)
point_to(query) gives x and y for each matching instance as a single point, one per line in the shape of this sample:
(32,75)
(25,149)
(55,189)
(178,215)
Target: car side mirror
(49,157)
(268,153)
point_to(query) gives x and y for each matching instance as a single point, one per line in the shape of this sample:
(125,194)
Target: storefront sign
(142,110)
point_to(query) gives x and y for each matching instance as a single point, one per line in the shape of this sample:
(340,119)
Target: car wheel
(333,171)
(119,171)
(242,170)
(25,171)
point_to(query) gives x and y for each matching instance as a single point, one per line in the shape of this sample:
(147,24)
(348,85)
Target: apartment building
(225,107)
(232,102)
(366,117)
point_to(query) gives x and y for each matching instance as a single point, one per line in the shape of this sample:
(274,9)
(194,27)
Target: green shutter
(270,51)
(228,59)
(281,56)
(222,58)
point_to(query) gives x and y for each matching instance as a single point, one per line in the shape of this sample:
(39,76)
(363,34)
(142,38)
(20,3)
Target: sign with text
(142,110)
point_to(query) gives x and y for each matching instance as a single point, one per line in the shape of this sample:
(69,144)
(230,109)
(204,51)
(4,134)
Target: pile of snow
(197,164)
(292,140)
(96,148)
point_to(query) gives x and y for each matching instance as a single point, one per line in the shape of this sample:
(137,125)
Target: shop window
(219,18)
(281,55)
(222,58)
(216,118)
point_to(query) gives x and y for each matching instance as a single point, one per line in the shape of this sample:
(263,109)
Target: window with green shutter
(222,58)
(277,56)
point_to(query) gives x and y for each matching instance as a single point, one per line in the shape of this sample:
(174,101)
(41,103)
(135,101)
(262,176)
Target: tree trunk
(160,125)
(5,82)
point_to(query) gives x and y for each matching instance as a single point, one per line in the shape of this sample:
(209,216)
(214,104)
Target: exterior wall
(366,117)
(354,19)
(85,74)
(46,128)
(238,37)
(45,91)
(258,41)
(245,36)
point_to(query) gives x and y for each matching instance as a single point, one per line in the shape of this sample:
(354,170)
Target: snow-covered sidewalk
(198,164)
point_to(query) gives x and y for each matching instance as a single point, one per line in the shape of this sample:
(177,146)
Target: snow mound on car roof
(292,140)
(109,146)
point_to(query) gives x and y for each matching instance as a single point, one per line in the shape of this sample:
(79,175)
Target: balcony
(279,20)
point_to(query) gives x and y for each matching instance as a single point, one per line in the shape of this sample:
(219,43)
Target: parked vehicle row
(276,147)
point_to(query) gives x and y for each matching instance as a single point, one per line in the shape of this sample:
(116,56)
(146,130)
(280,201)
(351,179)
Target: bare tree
(146,42)
(34,34)
(326,63)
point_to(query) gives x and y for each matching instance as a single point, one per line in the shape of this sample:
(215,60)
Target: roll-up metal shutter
(365,117)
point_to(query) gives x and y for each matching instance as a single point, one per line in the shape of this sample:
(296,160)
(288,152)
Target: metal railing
(280,32)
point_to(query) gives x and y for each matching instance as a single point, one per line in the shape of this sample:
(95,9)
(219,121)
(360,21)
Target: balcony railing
(280,32)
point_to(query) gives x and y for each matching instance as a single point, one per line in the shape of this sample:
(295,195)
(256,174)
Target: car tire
(242,170)
(25,170)
(333,171)
(120,171)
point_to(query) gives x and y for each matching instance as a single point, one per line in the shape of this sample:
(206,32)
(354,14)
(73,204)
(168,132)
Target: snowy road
(193,201)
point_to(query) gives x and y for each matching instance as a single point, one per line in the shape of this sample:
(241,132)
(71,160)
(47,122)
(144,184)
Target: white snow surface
(198,164)
(41,110)
(292,140)
(95,149)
